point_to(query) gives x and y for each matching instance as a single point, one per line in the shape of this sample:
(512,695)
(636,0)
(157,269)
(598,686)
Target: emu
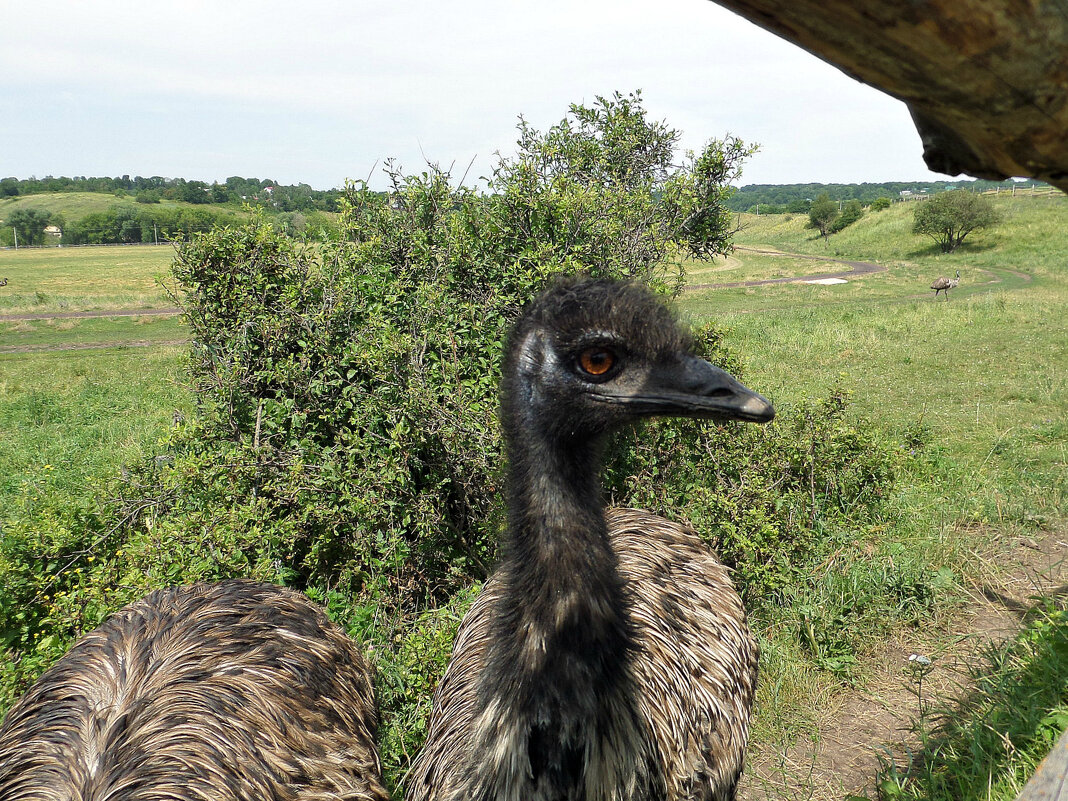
(608,658)
(943,284)
(236,691)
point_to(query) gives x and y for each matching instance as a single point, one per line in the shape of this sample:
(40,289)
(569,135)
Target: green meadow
(49,280)
(978,386)
(975,387)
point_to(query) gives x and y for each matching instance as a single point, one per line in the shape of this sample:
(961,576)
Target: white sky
(320,91)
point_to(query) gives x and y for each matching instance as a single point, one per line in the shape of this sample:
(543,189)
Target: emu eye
(597,361)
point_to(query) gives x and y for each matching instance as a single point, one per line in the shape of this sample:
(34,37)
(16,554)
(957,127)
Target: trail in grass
(856,268)
(124,343)
(876,721)
(86,314)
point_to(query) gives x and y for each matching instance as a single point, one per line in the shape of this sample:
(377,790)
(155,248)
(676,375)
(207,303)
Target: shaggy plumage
(237,691)
(943,284)
(608,658)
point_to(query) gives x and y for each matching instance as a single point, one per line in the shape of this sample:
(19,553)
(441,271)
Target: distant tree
(822,214)
(148,196)
(951,216)
(9,187)
(851,212)
(29,225)
(880,203)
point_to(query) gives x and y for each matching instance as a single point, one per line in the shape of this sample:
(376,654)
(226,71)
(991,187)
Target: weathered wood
(1050,782)
(986,80)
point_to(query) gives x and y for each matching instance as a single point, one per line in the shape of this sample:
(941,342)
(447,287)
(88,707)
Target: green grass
(75,205)
(977,384)
(84,332)
(85,278)
(69,420)
(986,744)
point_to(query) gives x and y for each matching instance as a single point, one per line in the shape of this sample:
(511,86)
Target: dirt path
(860,724)
(74,315)
(856,268)
(124,343)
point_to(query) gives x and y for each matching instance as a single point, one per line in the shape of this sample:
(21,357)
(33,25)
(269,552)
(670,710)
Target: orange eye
(597,361)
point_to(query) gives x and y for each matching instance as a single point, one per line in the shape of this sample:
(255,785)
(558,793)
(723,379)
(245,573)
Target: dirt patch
(861,724)
(85,314)
(856,269)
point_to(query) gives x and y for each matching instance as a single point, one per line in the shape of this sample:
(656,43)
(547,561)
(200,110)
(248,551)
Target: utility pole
(15,231)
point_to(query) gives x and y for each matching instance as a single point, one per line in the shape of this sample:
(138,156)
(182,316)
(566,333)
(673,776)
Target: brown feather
(694,670)
(236,691)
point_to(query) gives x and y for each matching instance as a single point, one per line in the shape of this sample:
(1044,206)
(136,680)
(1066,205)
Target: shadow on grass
(986,744)
(933,249)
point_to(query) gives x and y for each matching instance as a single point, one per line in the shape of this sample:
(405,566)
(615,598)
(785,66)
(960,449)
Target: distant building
(53,230)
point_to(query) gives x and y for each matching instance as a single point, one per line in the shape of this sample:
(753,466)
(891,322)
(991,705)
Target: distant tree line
(798,198)
(234,190)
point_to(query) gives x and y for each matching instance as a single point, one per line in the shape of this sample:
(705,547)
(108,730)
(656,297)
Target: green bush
(851,212)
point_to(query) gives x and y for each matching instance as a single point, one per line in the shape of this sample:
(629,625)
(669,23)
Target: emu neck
(556,693)
(558,568)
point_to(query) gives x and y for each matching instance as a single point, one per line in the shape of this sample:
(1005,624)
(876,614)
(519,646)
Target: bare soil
(85,314)
(858,725)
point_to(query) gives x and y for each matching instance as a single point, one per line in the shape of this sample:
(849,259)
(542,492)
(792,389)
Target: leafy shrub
(949,217)
(851,212)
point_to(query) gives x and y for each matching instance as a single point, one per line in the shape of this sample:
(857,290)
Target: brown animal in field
(943,284)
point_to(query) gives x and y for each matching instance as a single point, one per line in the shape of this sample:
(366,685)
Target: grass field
(71,419)
(980,380)
(977,385)
(42,280)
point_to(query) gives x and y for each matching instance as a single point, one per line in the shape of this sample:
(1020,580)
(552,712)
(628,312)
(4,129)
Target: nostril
(719,392)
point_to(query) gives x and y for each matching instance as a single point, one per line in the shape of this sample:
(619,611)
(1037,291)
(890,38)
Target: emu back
(236,691)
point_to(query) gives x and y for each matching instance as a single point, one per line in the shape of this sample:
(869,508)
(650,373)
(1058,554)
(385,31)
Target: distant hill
(778,198)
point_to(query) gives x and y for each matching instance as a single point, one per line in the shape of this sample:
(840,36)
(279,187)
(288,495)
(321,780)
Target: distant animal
(943,284)
(3,282)
(236,691)
(608,658)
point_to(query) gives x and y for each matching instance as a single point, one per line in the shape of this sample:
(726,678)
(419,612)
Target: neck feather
(556,711)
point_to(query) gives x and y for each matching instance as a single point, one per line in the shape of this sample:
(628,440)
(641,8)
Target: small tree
(880,203)
(852,212)
(822,214)
(950,216)
(29,225)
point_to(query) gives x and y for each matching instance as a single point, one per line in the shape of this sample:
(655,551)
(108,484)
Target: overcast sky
(320,91)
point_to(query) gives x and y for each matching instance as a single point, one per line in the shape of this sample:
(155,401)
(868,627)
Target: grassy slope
(75,205)
(980,380)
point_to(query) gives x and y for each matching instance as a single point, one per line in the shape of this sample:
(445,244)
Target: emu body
(235,691)
(608,658)
(943,284)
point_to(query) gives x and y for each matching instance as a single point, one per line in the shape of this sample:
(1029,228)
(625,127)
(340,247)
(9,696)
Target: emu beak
(695,388)
(691,387)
